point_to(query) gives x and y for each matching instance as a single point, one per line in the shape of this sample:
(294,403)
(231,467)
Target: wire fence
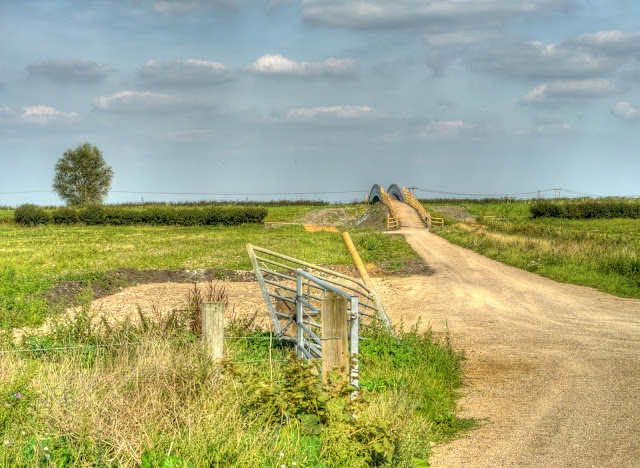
(45,349)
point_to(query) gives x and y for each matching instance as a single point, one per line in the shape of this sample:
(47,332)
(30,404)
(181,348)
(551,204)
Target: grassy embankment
(600,253)
(146,394)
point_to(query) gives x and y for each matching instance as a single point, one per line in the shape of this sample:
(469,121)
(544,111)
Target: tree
(82,176)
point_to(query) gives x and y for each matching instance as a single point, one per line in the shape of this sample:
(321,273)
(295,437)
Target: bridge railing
(393,220)
(424,215)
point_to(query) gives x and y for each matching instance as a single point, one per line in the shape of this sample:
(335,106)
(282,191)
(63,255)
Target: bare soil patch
(64,293)
(456,212)
(328,217)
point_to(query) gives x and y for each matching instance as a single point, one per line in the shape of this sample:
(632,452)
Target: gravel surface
(552,370)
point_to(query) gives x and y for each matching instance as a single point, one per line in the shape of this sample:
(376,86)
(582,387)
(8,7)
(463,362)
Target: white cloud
(184,73)
(182,7)
(76,71)
(553,129)
(7,112)
(560,89)
(44,114)
(613,42)
(143,102)
(455,38)
(195,135)
(626,111)
(278,65)
(547,61)
(445,128)
(369,14)
(587,56)
(339,112)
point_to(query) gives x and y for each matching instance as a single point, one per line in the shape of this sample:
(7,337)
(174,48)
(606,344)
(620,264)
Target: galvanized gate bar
(283,282)
(315,267)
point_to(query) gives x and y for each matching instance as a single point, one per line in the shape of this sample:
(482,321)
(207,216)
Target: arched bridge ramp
(405,210)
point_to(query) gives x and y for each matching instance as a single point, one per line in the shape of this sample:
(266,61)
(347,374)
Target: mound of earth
(328,217)
(376,217)
(454,211)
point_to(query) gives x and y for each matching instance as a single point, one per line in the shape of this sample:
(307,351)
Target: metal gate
(293,290)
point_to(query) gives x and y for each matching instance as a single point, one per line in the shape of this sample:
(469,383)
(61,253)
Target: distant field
(276,213)
(604,254)
(294,212)
(34,259)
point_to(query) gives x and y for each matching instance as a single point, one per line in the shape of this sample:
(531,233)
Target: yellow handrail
(393,221)
(424,215)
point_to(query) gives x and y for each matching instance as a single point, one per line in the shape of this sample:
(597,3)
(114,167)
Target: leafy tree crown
(82,176)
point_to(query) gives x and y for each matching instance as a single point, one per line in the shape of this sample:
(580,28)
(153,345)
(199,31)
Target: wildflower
(46,449)
(18,395)
(47,455)
(294,464)
(24,433)
(281,454)
(6,442)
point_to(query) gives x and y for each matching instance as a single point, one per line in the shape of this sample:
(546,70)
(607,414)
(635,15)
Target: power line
(26,191)
(500,195)
(206,193)
(583,194)
(240,194)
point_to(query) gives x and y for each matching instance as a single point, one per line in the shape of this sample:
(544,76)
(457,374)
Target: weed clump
(144,393)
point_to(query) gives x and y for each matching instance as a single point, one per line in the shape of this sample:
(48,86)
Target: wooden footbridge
(403,206)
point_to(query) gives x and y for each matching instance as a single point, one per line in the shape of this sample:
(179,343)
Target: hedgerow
(155,215)
(31,215)
(587,209)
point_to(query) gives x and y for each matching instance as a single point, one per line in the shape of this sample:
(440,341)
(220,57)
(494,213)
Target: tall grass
(604,254)
(147,395)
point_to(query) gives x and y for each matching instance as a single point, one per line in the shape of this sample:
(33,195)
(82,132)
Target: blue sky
(252,97)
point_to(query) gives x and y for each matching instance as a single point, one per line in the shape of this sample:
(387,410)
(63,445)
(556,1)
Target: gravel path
(553,370)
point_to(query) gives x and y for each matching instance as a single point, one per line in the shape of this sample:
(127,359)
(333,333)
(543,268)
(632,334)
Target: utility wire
(206,193)
(440,192)
(26,191)
(483,194)
(238,194)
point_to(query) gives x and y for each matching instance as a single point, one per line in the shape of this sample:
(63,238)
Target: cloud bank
(72,71)
(278,65)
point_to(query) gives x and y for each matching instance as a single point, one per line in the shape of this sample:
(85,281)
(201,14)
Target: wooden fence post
(335,344)
(213,329)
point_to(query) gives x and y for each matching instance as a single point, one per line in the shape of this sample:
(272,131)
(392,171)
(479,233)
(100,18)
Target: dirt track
(553,370)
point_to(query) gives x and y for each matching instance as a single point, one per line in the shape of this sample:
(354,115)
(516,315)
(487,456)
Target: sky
(321,99)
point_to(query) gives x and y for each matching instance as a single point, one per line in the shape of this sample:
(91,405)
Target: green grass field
(600,253)
(146,396)
(34,259)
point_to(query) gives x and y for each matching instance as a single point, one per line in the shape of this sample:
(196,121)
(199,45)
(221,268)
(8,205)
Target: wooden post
(213,329)
(287,308)
(335,344)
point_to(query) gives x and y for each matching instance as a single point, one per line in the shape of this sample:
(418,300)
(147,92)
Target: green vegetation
(600,253)
(82,176)
(92,215)
(34,259)
(587,209)
(6,215)
(142,393)
(146,395)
